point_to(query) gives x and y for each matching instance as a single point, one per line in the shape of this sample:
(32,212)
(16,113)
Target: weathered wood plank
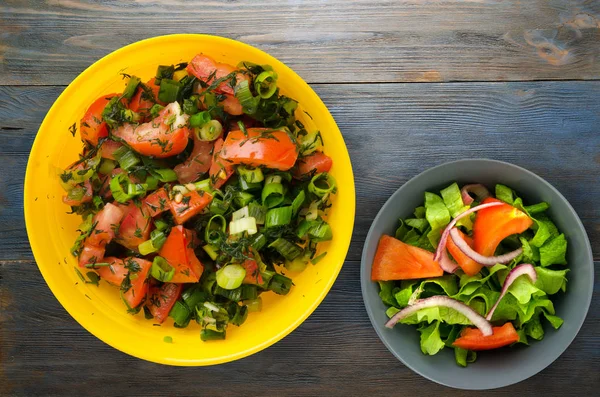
(43,351)
(50,42)
(393,132)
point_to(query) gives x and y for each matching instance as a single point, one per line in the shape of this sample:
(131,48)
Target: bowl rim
(365,278)
(80,319)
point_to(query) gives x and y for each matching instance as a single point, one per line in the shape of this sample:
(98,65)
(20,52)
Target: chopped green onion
(199,119)
(317,258)
(164,174)
(190,106)
(272,194)
(298,202)
(209,131)
(278,216)
(116,188)
(164,72)
(266,275)
(126,157)
(106,166)
(247,186)
(288,250)
(280,284)
(231,276)
(310,142)
(157,239)
(318,231)
(253,305)
(250,175)
(76,194)
(313,211)
(161,269)
(217,206)
(240,316)
(230,294)
(136,189)
(249,291)
(322,184)
(204,185)
(242,198)
(241,213)
(304,227)
(537,208)
(214,232)
(166,339)
(151,182)
(265,84)
(131,87)
(193,296)
(258,212)
(146,247)
(259,241)
(297,265)
(209,334)
(247,100)
(211,250)
(180,313)
(243,225)
(273,178)
(155,110)
(169,90)
(161,225)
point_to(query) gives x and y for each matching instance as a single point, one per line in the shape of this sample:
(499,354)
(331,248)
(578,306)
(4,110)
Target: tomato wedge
(115,273)
(492,225)
(192,203)
(206,69)
(473,339)
(155,89)
(220,169)
(395,260)
(161,300)
(318,161)
(108,149)
(138,279)
(164,136)
(260,147)
(106,223)
(135,226)
(90,254)
(141,103)
(469,266)
(197,164)
(178,252)
(253,275)
(91,127)
(157,202)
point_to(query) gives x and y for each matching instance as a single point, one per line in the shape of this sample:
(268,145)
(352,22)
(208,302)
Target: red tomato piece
(220,169)
(155,89)
(165,136)
(259,148)
(106,222)
(115,273)
(178,252)
(135,226)
(138,279)
(206,69)
(157,202)
(253,275)
(91,127)
(192,203)
(141,103)
(317,161)
(108,149)
(469,266)
(473,339)
(494,224)
(161,300)
(395,260)
(197,164)
(90,254)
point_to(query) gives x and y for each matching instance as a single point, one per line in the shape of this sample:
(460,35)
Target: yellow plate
(52,231)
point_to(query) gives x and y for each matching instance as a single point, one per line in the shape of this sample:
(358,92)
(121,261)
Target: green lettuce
(431,341)
(553,251)
(504,193)
(463,356)
(454,202)
(551,281)
(437,215)
(386,294)
(420,224)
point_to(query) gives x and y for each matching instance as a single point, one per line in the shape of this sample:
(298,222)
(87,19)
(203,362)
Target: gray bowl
(493,368)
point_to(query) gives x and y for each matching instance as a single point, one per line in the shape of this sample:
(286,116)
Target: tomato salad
(198,189)
(473,273)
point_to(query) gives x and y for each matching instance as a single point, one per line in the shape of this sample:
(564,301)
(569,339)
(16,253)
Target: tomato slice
(473,339)
(164,136)
(395,260)
(191,205)
(318,161)
(135,226)
(206,69)
(87,195)
(220,169)
(107,222)
(115,273)
(492,225)
(161,300)
(178,251)
(157,202)
(469,266)
(91,127)
(90,254)
(253,275)
(141,104)
(139,281)
(260,147)
(197,164)
(108,149)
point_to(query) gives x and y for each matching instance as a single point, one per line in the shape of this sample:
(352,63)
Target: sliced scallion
(247,100)
(247,224)
(164,174)
(210,334)
(215,229)
(131,87)
(106,166)
(180,313)
(265,84)
(280,284)
(126,157)
(253,305)
(272,195)
(211,250)
(258,212)
(231,276)
(288,250)
(278,217)
(251,175)
(199,119)
(209,131)
(161,269)
(169,90)
(322,184)
(298,202)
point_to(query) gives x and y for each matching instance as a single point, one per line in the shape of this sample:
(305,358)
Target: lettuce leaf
(431,341)
(420,212)
(551,281)
(534,329)
(553,251)
(504,193)
(437,215)
(403,294)
(463,356)
(431,314)
(454,202)
(420,224)
(386,294)
(531,253)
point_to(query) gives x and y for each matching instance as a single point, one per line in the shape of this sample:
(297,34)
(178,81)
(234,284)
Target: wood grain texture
(393,132)
(50,42)
(334,353)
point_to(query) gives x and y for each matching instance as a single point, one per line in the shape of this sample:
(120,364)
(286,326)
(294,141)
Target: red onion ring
(445,301)
(442,244)
(477,257)
(477,189)
(447,264)
(515,273)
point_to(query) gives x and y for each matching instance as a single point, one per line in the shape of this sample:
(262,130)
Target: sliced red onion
(442,244)
(477,257)
(445,301)
(477,189)
(447,264)
(515,273)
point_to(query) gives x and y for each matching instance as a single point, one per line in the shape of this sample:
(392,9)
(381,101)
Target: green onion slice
(265,84)
(322,184)
(250,175)
(298,202)
(278,216)
(215,229)
(247,100)
(272,195)
(161,269)
(247,224)
(288,250)
(231,276)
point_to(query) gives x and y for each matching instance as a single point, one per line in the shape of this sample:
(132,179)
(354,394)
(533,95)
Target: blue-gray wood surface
(411,85)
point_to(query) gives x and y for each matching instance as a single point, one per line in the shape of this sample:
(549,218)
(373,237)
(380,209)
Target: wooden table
(411,84)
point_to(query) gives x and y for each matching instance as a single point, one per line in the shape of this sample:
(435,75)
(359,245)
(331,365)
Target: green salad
(473,273)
